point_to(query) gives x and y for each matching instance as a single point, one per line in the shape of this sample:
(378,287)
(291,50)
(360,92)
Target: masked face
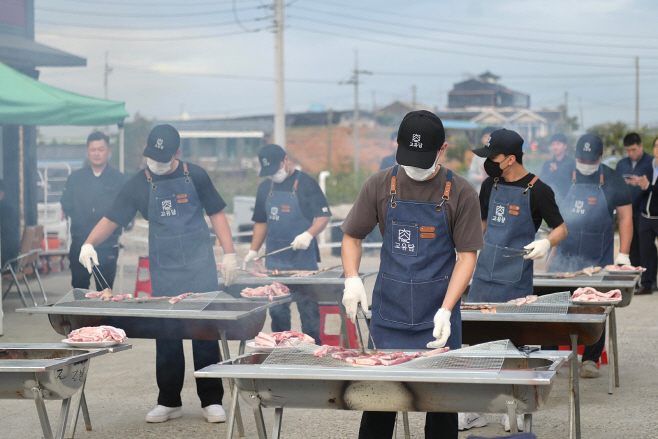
(280,175)
(420,174)
(159,168)
(493,169)
(587,169)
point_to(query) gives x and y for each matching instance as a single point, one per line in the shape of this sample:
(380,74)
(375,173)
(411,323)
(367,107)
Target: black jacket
(649,206)
(87,199)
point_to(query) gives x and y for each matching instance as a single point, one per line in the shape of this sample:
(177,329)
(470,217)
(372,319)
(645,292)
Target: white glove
(250,257)
(353,294)
(87,255)
(622,259)
(302,241)
(441,329)
(229,268)
(539,249)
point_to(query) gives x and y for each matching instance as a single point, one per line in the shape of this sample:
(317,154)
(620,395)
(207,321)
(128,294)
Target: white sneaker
(470,420)
(519,422)
(214,413)
(162,414)
(589,369)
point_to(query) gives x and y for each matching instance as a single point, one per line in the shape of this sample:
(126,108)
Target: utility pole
(413,97)
(567,125)
(279,97)
(330,117)
(374,102)
(582,119)
(106,72)
(637,93)
(355,82)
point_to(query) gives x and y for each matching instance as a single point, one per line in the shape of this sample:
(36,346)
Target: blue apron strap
(150,179)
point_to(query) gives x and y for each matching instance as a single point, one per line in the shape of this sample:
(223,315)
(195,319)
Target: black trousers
(107,264)
(170,371)
(634,254)
(648,257)
(309,313)
(379,425)
(593,352)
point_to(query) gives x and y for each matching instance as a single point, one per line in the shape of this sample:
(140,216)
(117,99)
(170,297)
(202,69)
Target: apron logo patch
(167,208)
(592,201)
(274,214)
(499,215)
(578,207)
(405,240)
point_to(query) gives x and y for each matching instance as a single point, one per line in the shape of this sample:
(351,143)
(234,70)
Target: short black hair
(632,139)
(97,135)
(519,158)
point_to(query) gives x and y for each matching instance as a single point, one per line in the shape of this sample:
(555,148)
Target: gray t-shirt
(463,208)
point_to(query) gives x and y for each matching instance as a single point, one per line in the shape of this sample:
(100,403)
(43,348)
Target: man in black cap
(476,174)
(513,203)
(290,211)
(172,196)
(429,218)
(557,172)
(596,192)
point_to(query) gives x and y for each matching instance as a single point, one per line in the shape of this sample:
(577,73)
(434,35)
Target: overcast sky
(170,56)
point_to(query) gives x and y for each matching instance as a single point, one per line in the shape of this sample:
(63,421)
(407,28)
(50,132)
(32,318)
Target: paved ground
(121,388)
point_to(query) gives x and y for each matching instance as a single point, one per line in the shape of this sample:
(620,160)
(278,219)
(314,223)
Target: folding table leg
(43,414)
(18,286)
(234,405)
(511,413)
(227,355)
(76,401)
(85,412)
(63,418)
(527,423)
(611,355)
(574,424)
(43,292)
(278,418)
(613,331)
(405,422)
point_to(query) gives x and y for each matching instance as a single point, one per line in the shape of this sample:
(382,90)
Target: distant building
(485,91)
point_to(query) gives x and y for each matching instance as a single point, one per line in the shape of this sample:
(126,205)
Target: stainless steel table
(224,318)
(523,384)
(50,371)
(580,324)
(326,286)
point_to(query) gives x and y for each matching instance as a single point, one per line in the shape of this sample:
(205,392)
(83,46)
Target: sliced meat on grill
(180,297)
(285,338)
(92,294)
(269,291)
(257,273)
(623,268)
(120,297)
(342,355)
(107,295)
(325,350)
(435,352)
(589,294)
(524,300)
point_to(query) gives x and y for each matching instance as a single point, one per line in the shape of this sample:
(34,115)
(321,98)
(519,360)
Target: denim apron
(591,228)
(285,221)
(509,228)
(416,263)
(181,258)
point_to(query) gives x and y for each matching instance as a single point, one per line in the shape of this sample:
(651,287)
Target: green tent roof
(26,101)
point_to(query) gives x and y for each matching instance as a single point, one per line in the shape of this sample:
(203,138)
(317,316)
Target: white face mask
(420,174)
(280,175)
(586,169)
(159,168)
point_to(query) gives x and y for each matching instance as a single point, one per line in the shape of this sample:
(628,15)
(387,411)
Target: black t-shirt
(615,188)
(312,201)
(557,174)
(134,195)
(542,200)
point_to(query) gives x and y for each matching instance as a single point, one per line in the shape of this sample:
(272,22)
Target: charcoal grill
(223,318)
(523,383)
(581,324)
(50,371)
(326,286)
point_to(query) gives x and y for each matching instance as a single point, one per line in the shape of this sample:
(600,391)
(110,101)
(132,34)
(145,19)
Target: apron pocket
(411,302)
(195,246)
(169,252)
(507,269)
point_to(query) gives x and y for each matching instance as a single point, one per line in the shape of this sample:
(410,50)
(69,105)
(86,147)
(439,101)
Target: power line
(236,18)
(153,4)
(465,43)
(169,38)
(456,52)
(479,35)
(442,21)
(138,28)
(142,15)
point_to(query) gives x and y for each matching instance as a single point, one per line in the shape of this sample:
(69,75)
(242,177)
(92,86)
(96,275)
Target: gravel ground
(121,388)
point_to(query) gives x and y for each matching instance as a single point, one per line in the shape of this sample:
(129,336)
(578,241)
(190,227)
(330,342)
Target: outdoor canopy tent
(26,101)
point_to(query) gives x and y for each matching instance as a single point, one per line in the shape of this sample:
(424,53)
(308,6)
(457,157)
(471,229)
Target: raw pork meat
(97,334)
(589,294)
(270,291)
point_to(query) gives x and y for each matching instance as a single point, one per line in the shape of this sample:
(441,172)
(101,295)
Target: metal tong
(101,276)
(273,253)
(522,252)
(358,330)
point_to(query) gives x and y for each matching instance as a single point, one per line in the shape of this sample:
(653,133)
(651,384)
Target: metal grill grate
(487,356)
(556,303)
(76,299)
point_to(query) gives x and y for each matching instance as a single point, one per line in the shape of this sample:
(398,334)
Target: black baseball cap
(270,158)
(501,141)
(559,138)
(162,144)
(589,147)
(420,136)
